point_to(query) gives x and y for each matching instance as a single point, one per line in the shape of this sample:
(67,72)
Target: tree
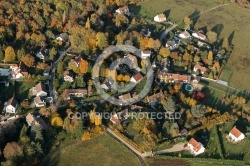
(198,111)
(87,25)
(1,138)
(187,21)
(60,68)
(57,122)
(56,83)
(164,52)
(28,60)
(197,58)
(120,19)
(45,112)
(80,82)
(9,54)
(43,66)
(83,66)
(212,36)
(12,150)
(86,136)
(210,56)
(52,54)
(98,120)
(23,131)
(79,129)
(170,106)
(66,125)
(101,40)
(20,53)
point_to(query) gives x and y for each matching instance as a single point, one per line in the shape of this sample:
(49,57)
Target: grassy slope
(231,17)
(103,150)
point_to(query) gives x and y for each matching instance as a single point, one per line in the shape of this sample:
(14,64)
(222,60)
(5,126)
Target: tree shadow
(135,10)
(230,38)
(195,16)
(167,13)
(204,29)
(218,29)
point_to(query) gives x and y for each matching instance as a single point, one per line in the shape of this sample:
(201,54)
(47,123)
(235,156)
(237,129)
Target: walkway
(176,148)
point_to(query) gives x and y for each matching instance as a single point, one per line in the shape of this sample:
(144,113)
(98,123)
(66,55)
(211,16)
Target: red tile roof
(137,77)
(197,146)
(236,132)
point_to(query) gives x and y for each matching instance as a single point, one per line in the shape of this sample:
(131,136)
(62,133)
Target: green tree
(170,106)
(198,111)
(80,82)
(1,138)
(23,131)
(66,125)
(79,129)
(101,40)
(1,56)
(56,83)
(60,68)
(52,54)
(21,52)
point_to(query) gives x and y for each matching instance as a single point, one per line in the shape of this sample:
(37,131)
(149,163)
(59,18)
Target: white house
(123,10)
(184,35)
(11,106)
(68,78)
(38,90)
(199,66)
(42,53)
(145,54)
(199,35)
(160,18)
(33,120)
(236,135)
(195,147)
(38,102)
(173,43)
(136,78)
(62,37)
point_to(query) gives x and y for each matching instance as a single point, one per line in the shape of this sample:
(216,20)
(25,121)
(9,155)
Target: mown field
(102,150)
(230,21)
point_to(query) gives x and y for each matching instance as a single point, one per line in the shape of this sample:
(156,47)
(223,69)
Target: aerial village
(55,79)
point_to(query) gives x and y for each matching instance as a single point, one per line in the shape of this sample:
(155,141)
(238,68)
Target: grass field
(226,75)
(234,151)
(230,22)
(102,150)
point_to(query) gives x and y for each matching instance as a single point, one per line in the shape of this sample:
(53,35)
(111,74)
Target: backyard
(102,149)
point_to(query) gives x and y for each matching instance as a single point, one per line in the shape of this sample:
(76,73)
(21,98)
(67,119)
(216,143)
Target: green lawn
(234,151)
(102,150)
(226,75)
(213,147)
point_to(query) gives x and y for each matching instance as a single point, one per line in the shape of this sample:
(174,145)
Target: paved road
(52,76)
(176,148)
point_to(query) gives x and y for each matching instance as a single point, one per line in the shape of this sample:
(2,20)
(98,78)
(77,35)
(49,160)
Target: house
(136,78)
(196,148)
(173,43)
(107,83)
(166,64)
(131,61)
(184,35)
(42,53)
(236,135)
(11,106)
(39,102)
(33,120)
(68,93)
(221,56)
(200,67)
(125,97)
(123,10)
(199,35)
(160,18)
(145,54)
(183,132)
(68,76)
(153,99)
(119,117)
(63,37)
(38,90)
(171,77)
(76,60)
